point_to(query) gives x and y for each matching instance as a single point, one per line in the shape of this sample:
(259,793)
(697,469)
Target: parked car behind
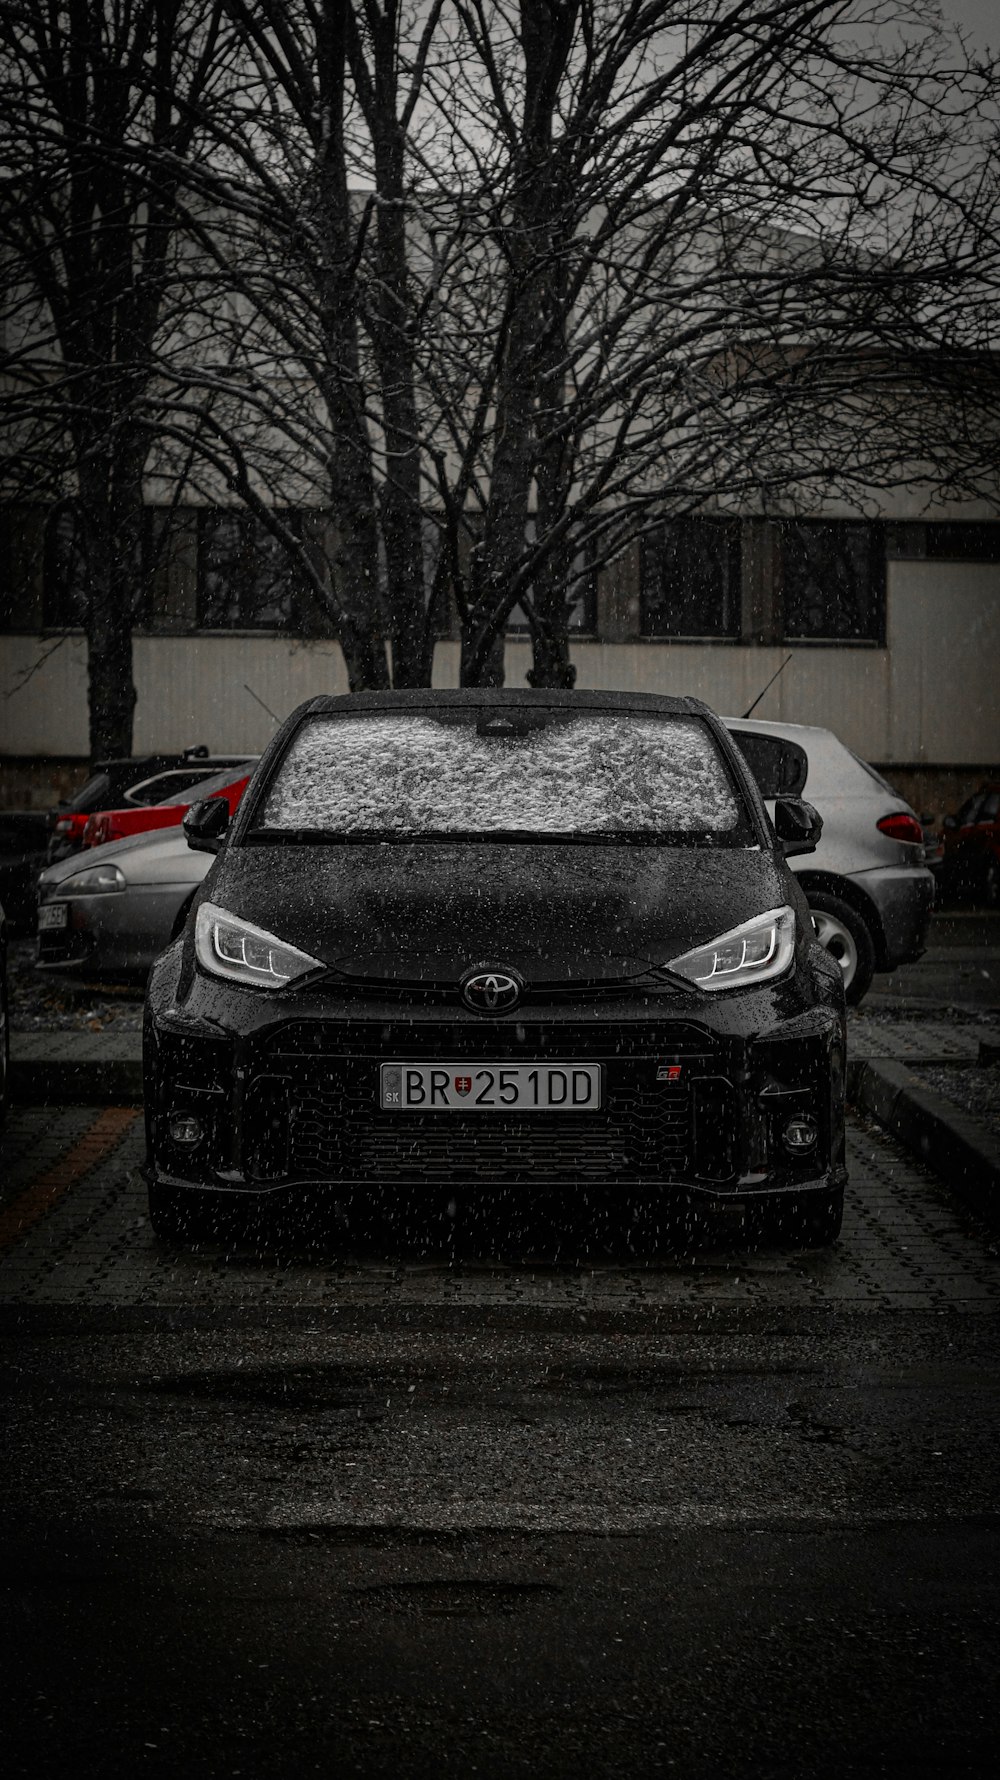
(867,884)
(130,783)
(968,862)
(115,825)
(539,944)
(106,915)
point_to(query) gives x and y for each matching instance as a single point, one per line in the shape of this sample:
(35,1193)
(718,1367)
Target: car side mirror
(950,822)
(205,824)
(797,825)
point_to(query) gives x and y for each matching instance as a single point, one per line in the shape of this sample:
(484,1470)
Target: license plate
(491,1087)
(52,914)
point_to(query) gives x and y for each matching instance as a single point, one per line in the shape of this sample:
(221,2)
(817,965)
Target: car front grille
(314,1113)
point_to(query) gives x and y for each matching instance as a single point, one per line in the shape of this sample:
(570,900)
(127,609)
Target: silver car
(867,885)
(107,913)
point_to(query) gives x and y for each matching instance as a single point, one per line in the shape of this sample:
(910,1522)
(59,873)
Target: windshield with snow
(506,774)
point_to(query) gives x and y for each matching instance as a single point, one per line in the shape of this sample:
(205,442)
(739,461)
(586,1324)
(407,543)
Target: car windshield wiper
(322,837)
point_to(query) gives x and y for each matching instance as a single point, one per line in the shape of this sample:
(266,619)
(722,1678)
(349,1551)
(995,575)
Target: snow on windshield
(412,774)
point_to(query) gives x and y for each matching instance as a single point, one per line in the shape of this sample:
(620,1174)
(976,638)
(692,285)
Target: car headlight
(97,880)
(760,949)
(229,947)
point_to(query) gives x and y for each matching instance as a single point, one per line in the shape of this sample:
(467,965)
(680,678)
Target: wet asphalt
(451,1511)
(275,1513)
(755,1550)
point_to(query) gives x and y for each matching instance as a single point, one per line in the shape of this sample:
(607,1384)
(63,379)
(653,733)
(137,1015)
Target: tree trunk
(400,491)
(111,518)
(546,38)
(351,483)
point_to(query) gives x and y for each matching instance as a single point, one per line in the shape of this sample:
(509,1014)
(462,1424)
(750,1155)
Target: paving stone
(905,1245)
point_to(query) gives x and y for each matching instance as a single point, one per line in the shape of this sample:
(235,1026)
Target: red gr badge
(669,1072)
(463,1084)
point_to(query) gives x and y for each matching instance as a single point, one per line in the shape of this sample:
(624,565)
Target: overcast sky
(981,17)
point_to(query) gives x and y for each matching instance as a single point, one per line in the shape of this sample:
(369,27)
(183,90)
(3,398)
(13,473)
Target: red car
(139,780)
(114,825)
(969,863)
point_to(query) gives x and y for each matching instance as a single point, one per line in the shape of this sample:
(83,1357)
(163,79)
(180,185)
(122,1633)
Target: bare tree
(302,216)
(536,274)
(592,265)
(96,118)
(745,254)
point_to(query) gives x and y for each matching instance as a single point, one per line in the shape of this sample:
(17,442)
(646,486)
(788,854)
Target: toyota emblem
(490,991)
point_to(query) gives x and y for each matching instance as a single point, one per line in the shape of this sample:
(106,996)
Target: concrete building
(891,625)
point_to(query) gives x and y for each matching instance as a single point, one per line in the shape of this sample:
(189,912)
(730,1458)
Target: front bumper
(697,1099)
(115,934)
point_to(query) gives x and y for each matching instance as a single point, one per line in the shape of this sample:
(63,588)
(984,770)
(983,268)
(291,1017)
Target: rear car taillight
(902,828)
(100,829)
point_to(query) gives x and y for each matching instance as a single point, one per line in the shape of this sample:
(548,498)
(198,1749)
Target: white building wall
(931,695)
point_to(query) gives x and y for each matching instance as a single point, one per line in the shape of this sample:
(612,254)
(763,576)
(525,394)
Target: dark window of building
(833,579)
(944,540)
(690,579)
(66,574)
(963,540)
(20,582)
(246,578)
(581,592)
(581,581)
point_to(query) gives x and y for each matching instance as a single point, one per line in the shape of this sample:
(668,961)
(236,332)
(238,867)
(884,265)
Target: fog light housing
(184,1129)
(800,1135)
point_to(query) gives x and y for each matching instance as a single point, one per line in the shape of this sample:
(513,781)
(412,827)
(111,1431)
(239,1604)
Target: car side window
(969,812)
(780,767)
(990,808)
(167,785)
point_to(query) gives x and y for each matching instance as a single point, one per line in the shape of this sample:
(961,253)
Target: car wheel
(842,932)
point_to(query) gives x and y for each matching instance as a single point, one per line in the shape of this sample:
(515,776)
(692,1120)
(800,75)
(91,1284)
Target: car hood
(429,912)
(159,856)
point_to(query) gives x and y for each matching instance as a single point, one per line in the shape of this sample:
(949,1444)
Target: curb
(933,1129)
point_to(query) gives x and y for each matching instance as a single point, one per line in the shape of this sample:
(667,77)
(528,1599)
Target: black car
(537,944)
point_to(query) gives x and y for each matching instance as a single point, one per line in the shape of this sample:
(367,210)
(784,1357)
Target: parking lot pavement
(74,1233)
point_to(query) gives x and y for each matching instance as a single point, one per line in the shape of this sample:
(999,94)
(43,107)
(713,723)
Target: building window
(246,579)
(581,589)
(963,540)
(65,572)
(21,532)
(581,592)
(690,579)
(833,580)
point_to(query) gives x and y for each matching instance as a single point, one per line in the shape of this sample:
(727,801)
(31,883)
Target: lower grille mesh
(337,1129)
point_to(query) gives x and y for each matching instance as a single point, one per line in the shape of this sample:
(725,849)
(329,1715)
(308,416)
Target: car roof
(445,697)
(795,732)
(208,787)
